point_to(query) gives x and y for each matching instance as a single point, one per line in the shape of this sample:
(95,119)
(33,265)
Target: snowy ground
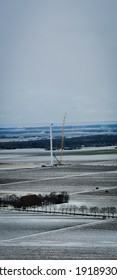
(35,236)
(56,237)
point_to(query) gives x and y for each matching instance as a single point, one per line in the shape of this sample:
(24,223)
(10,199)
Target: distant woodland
(69,143)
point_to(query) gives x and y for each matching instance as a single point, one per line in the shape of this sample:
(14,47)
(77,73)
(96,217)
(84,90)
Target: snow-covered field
(39,236)
(55,237)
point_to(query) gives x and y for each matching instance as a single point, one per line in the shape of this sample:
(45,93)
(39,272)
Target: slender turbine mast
(51,144)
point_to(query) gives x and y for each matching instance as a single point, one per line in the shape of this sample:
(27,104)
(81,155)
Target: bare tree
(108,211)
(113,211)
(94,210)
(103,210)
(70,208)
(75,208)
(83,209)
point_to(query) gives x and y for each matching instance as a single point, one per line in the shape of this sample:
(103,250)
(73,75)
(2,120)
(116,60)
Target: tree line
(34,200)
(99,140)
(48,203)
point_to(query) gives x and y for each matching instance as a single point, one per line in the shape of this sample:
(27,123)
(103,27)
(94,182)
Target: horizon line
(47,124)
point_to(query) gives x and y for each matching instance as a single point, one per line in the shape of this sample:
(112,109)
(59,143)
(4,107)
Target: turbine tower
(51,145)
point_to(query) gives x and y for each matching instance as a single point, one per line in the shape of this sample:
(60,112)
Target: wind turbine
(51,144)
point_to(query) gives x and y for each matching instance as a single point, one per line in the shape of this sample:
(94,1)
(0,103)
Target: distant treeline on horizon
(72,143)
(107,127)
(75,136)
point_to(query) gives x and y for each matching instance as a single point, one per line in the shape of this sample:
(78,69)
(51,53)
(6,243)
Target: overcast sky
(57,57)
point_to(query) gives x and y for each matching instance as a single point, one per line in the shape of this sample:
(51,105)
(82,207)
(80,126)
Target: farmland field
(89,180)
